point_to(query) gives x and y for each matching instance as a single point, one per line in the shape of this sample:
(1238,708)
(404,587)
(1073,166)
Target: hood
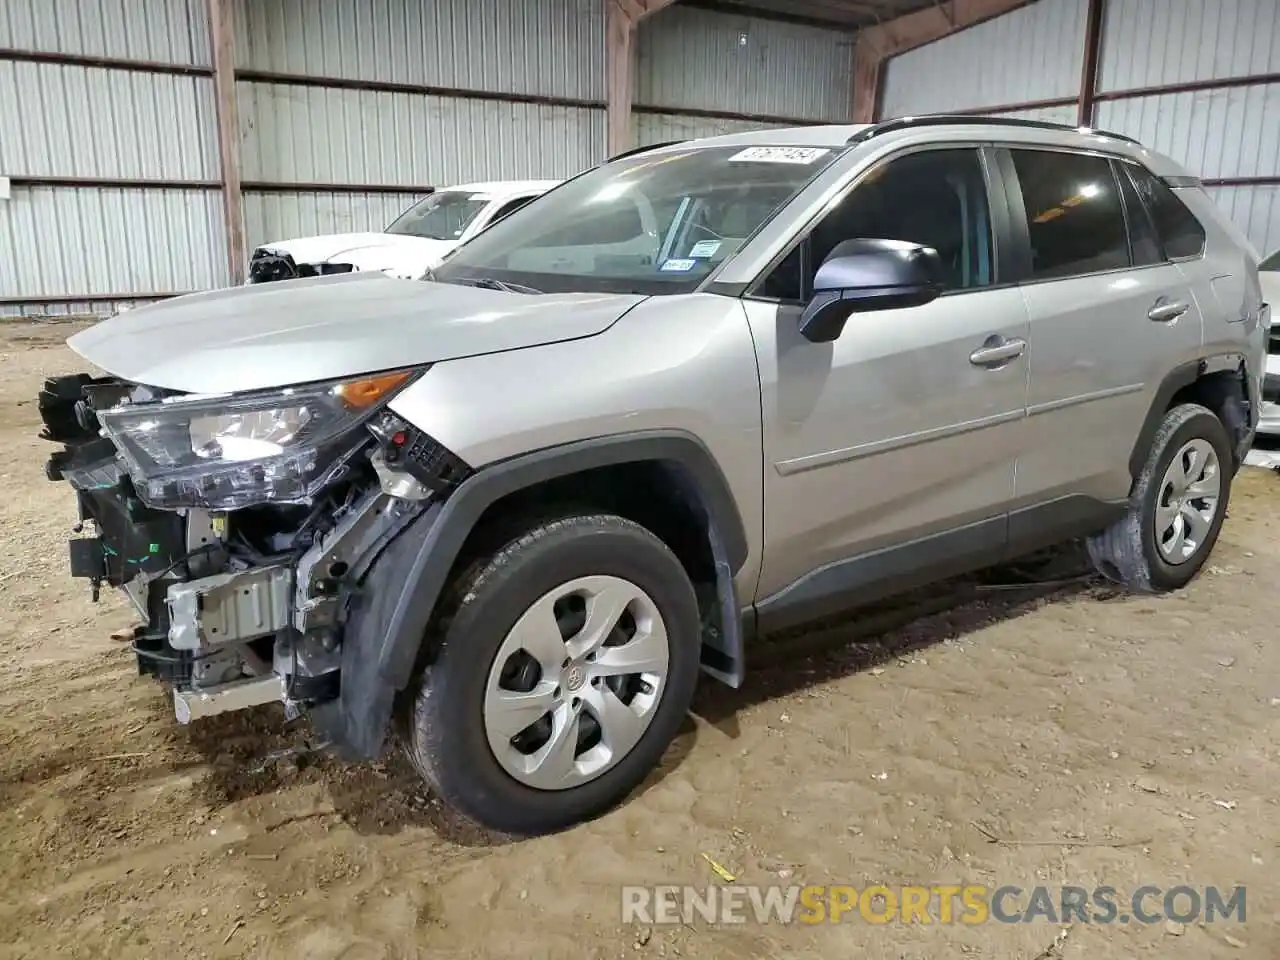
(404,254)
(276,334)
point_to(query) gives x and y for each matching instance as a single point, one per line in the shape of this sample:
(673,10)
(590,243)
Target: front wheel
(564,665)
(1176,508)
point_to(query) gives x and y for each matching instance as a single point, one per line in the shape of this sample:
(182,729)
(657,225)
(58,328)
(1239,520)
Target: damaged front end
(241,527)
(269,266)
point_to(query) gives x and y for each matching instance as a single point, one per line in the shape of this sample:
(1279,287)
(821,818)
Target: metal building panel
(276,216)
(660,127)
(1033,53)
(688,57)
(77,241)
(544,47)
(1224,133)
(69,308)
(90,122)
(1148,43)
(1068,114)
(1255,209)
(163,31)
(298,134)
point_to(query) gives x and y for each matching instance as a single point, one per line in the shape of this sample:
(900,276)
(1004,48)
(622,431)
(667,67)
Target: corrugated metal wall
(348,111)
(1036,53)
(69,242)
(1033,53)
(709,63)
(282,214)
(474,58)
(162,31)
(1223,133)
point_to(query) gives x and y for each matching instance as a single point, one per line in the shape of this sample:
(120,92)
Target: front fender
(389,616)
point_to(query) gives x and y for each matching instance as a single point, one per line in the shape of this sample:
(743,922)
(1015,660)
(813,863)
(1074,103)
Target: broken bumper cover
(228,630)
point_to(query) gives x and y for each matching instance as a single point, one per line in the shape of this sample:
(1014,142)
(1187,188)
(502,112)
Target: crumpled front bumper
(225,630)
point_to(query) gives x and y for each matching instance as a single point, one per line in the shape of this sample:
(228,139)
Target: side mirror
(869,275)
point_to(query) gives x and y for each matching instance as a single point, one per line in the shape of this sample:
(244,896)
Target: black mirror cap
(863,275)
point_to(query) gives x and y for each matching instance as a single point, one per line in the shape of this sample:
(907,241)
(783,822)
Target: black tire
(1126,552)
(441,721)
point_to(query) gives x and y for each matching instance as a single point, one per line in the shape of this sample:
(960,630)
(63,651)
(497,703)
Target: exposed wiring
(190,555)
(165,658)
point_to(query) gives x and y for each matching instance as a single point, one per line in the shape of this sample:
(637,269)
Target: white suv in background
(414,242)
(1269,425)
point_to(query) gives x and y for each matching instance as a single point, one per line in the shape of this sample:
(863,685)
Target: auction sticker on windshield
(779,155)
(678,266)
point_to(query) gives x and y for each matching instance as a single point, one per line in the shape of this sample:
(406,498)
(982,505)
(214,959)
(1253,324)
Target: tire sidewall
(1200,424)
(448,712)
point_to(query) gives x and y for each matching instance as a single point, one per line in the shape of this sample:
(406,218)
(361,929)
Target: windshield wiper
(489,283)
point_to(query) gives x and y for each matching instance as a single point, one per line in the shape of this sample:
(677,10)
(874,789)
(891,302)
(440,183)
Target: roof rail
(952,119)
(648,146)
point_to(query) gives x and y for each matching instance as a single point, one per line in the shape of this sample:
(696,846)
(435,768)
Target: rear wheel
(565,664)
(1176,508)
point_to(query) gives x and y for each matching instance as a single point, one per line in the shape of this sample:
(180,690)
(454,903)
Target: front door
(889,453)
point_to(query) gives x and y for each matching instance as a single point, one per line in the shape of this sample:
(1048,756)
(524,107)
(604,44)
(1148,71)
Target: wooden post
(619,29)
(222,36)
(621,19)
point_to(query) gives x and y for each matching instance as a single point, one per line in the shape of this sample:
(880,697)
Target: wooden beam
(1089,67)
(222,39)
(875,45)
(621,19)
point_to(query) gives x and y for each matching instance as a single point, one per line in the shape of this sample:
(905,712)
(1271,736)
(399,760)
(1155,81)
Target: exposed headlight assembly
(227,452)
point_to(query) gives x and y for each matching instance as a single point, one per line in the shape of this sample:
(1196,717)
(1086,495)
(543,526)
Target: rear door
(1109,315)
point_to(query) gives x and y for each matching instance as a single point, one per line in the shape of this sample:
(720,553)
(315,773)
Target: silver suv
(703,391)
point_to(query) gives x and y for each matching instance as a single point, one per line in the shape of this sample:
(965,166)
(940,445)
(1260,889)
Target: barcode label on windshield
(779,155)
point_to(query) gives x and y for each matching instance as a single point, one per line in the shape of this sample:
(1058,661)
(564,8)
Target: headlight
(222,453)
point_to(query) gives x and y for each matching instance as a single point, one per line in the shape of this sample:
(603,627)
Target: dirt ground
(1060,734)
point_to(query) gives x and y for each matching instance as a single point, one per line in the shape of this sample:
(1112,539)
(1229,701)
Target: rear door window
(1075,217)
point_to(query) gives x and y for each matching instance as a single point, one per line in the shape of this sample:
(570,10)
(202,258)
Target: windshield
(441,216)
(649,224)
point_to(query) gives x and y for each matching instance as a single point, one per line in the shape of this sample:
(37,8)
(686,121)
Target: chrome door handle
(1166,310)
(997,351)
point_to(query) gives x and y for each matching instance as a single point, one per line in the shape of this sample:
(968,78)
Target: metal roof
(847,14)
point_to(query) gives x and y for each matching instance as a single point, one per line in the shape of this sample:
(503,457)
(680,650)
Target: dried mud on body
(1112,739)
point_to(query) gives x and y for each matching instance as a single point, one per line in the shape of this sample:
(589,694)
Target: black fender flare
(1181,377)
(386,628)
(1176,379)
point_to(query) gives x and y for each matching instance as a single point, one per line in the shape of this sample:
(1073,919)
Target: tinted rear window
(1179,231)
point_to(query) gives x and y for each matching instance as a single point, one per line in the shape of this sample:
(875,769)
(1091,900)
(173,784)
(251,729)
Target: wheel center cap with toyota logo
(574,676)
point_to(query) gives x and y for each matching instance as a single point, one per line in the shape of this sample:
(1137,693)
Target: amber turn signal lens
(362,394)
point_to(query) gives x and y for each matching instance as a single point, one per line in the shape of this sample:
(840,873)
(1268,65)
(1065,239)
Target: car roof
(500,187)
(914,129)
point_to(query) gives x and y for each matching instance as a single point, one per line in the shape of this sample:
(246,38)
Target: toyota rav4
(506,514)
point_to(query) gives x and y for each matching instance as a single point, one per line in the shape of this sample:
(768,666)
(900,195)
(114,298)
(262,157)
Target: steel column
(1089,68)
